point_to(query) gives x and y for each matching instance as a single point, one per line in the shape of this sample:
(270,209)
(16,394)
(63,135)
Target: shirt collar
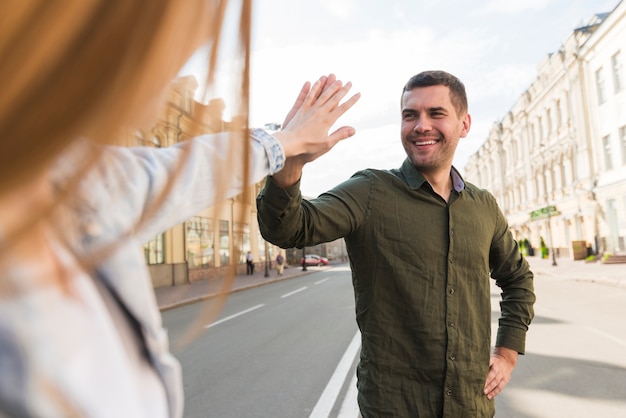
(415,179)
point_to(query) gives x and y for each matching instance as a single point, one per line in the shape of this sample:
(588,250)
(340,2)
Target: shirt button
(452,291)
(452,357)
(449,392)
(451,323)
(451,260)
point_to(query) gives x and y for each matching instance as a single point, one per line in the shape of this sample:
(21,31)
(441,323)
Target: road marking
(326,402)
(322,281)
(234,316)
(606,335)
(350,406)
(286,295)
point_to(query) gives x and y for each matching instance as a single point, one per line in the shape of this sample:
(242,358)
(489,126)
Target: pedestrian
(80,330)
(423,243)
(280,264)
(249,264)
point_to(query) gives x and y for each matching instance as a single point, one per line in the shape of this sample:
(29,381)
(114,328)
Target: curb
(195,299)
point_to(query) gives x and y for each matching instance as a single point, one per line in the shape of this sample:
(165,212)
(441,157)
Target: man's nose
(422,125)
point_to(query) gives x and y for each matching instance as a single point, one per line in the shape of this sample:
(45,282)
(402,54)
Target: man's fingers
(497,379)
(343,108)
(342,133)
(298,103)
(321,93)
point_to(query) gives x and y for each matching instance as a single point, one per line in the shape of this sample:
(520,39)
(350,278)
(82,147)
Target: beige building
(556,162)
(218,238)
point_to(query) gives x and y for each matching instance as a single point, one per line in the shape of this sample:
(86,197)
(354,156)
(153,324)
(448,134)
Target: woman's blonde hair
(90,69)
(81,68)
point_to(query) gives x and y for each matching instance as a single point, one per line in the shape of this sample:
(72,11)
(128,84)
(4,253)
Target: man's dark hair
(458,97)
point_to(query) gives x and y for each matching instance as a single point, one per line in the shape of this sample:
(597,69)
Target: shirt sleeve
(288,220)
(512,274)
(131,181)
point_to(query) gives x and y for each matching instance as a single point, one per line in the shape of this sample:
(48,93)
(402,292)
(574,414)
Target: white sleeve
(135,177)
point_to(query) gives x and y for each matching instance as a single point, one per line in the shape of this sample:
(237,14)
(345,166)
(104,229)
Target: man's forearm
(290,174)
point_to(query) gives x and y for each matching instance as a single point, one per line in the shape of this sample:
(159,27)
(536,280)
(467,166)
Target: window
(153,250)
(224,243)
(565,108)
(622,136)
(606,146)
(559,115)
(618,72)
(199,242)
(241,241)
(600,86)
(153,141)
(549,121)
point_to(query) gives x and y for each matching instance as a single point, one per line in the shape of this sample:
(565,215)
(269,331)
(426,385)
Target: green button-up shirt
(420,270)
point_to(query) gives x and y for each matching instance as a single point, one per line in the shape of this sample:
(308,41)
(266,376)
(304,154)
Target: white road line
(606,335)
(350,406)
(234,316)
(322,281)
(286,295)
(325,403)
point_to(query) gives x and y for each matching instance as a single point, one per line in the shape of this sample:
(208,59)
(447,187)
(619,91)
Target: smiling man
(423,245)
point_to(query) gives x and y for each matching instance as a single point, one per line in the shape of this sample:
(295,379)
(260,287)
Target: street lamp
(545,167)
(303,260)
(549,208)
(267,259)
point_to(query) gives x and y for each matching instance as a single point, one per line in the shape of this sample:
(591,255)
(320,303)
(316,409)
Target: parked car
(314,260)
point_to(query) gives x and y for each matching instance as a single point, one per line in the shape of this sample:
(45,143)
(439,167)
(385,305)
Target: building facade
(216,240)
(556,162)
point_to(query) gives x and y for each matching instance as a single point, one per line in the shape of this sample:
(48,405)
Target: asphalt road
(575,364)
(272,351)
(288,349)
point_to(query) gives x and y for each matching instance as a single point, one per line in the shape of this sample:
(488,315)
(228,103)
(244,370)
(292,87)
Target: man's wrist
(290,174)
(507,353)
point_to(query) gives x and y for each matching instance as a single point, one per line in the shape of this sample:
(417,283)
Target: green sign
(544,213)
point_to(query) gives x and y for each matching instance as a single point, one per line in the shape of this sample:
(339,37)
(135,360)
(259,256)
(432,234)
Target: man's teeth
(425,142)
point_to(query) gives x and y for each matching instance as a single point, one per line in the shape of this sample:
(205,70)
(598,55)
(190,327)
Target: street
(288,349)
(272,351)
(575,365)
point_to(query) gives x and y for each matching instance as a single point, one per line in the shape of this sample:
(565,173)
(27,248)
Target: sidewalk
(169,297)
(568,269)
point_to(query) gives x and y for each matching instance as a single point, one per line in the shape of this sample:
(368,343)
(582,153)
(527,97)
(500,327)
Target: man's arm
(513,275)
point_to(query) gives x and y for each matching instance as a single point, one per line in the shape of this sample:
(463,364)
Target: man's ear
(467,122)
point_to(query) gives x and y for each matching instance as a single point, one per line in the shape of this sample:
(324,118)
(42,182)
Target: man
(280,264)
(249,264)
(422,244)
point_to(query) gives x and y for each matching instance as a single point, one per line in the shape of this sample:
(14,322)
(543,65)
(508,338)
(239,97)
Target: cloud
(378,64)
(342,9)
(370,148)
(512,7)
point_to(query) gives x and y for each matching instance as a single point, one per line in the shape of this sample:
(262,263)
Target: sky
(493,46)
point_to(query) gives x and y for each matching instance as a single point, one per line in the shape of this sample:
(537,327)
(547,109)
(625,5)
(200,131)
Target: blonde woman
(80,332)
